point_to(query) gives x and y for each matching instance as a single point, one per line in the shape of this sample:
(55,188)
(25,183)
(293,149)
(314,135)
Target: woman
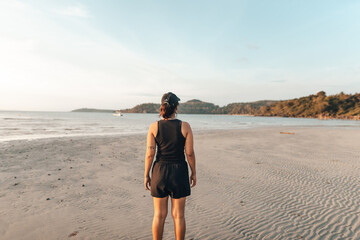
(170,175)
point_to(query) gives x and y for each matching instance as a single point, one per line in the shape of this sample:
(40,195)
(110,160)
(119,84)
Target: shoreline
(320,117)
(95,135)
(253,183)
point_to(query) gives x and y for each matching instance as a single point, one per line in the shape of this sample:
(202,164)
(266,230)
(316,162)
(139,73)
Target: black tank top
(170,141)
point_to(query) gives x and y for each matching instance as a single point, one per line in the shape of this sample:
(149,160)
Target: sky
(115,54)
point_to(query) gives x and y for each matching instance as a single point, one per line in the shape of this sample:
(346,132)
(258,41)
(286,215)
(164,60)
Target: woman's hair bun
(169,102)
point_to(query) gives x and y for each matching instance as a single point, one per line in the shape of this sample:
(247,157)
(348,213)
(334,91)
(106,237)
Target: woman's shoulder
(153,128)
(154,125)
(185,125)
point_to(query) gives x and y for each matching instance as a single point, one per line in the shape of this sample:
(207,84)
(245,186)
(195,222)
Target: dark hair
(166,110)
(169,102)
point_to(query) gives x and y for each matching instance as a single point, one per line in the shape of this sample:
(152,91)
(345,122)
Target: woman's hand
(147,183)
(193,180)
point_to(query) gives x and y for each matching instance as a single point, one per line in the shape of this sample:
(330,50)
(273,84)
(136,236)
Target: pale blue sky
(61,55)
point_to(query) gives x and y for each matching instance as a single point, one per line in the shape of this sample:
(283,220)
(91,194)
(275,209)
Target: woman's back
(170,174)
(170,141)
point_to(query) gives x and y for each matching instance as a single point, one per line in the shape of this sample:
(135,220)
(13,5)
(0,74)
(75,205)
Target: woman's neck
(172,117)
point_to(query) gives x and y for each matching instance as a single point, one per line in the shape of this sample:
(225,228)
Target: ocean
(16,125)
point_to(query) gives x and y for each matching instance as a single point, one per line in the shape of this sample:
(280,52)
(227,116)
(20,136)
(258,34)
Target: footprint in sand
(73,234)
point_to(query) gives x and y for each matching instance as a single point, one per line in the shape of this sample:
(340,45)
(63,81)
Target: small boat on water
(117,113)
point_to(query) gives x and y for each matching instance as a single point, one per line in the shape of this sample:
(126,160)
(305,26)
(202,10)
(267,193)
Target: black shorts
(170,179)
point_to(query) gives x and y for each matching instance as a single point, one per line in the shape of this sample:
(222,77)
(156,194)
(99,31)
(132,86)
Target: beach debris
(83,185)
(70,167)
(59,169)
(48,199)
(73,234)
(15,184)
(49,174)
(327,182)
(59,178)
(15,177)
(291,133)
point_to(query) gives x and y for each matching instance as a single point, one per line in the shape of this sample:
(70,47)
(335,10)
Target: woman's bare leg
(178,214)
(160,213)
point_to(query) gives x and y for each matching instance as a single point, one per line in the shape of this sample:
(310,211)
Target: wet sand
(259,183)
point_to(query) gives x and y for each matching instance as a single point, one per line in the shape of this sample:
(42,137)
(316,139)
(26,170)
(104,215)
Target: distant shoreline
(93,110)
(355,118)
(319,106)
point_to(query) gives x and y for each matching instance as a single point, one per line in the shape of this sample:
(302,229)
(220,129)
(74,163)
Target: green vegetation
(143,108)
(198,107)
(344,106)
(249,108)
(189,107)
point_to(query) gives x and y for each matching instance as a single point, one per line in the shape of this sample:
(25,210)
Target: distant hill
(143,108)
(343,106)
(196,106)
(248,108)
(190,107)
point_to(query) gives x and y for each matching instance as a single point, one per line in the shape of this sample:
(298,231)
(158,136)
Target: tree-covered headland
(341,106)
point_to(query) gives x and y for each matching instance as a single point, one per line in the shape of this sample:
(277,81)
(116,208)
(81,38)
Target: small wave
(23,119)
(10,118)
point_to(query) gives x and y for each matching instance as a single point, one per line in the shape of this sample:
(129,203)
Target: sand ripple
(252,184)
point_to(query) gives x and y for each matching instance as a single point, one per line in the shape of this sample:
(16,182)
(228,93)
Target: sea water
(16,125)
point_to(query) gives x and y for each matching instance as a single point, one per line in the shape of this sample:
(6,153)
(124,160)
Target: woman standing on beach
(170,175)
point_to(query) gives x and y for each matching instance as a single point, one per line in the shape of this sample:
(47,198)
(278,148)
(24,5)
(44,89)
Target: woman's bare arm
(150,153)
(189,151)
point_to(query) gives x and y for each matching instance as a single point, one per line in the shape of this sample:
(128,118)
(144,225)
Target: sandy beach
(252,184)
